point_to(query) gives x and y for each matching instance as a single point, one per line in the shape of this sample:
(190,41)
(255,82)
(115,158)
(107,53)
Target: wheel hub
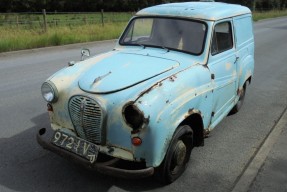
(179,153)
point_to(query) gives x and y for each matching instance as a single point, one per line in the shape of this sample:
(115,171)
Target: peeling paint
(228,66)
(211,11)
(157,84)
(172,78)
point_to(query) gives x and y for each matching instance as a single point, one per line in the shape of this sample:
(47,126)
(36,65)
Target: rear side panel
(244,38)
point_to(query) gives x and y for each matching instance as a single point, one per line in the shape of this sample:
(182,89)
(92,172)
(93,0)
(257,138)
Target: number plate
(76,145)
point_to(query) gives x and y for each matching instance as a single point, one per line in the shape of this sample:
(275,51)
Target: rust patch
(172,78)
(239,91)
(147,90)
(146,120)
(227,66)
(240,71)
(159,83)
(205,66)
(190,111)
(206,133)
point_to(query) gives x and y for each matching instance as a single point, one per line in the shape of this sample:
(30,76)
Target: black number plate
(76,145)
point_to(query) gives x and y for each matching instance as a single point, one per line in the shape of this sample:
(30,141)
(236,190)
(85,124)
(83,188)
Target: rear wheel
(239,104)
(177,155)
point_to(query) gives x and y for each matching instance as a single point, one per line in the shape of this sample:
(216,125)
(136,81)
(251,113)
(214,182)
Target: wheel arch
(194,121)
(249,80)
(246,71)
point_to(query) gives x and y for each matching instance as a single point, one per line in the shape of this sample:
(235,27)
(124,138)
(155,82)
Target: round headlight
(133,116)
(49,92)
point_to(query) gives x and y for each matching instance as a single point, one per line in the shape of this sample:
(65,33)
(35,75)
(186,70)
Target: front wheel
(177,155)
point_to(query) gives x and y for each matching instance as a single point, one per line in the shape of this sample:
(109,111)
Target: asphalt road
(25,166)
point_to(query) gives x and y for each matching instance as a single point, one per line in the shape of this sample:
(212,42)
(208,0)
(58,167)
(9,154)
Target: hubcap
(179,153)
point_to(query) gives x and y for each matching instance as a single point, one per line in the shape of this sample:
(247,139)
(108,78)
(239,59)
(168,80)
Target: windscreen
(167,33)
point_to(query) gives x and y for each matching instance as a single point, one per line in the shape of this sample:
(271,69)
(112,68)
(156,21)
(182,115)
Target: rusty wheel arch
(249,80)
(195,122)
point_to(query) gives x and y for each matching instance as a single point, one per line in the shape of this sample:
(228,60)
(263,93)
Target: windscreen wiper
(165,48)
(143,46)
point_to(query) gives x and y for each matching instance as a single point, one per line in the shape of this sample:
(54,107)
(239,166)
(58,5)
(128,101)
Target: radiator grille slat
(87,117)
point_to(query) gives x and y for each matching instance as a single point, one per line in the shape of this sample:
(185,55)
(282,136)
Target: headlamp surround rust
(133,116)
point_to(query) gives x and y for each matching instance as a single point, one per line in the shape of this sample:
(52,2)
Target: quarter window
(222,38)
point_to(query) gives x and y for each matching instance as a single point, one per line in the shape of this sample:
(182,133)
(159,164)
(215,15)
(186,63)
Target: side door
(222,65)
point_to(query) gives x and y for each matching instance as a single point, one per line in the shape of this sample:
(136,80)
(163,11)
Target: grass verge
(268,14)
(14,37)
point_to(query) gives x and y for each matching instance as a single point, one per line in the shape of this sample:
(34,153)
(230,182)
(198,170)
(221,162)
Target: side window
(222,38)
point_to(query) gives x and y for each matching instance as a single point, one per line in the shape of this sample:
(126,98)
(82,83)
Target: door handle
(237,58)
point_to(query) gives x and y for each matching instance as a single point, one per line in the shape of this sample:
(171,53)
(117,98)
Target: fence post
(254,5)
(102,15)
(17,21)
(45,21)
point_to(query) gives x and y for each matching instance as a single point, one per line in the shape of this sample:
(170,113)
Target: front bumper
(108,167)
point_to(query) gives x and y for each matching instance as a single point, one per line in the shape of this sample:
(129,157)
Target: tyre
(177,155)
(239,103)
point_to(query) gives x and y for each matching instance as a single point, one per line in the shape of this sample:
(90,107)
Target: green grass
(14,38)
(268,14)
(26,31)
(70,28)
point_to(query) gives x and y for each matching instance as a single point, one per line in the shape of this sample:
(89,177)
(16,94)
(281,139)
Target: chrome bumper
(109,167)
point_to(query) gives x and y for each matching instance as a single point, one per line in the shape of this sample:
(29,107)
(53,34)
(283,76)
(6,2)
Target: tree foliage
(114,5)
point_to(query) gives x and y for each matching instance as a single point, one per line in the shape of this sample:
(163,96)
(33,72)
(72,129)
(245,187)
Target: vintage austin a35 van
(138,110)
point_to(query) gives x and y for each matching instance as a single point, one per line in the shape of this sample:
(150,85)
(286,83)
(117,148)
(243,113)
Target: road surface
(25,166)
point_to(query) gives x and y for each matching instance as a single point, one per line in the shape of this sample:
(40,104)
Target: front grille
(87,118)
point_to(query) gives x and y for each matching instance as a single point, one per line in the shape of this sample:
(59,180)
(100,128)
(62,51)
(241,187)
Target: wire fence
(44,20)
(55,19)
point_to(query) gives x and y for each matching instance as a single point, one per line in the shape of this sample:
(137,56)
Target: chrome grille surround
(87,117)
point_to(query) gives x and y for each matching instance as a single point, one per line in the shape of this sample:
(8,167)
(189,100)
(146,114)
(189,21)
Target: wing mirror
(85,53)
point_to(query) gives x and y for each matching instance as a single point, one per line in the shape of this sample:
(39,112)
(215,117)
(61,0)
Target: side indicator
(136,141)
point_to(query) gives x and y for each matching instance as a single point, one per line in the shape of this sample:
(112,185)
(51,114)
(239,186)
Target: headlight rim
(53,90)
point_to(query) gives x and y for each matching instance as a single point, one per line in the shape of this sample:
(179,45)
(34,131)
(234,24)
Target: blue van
(138,110)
